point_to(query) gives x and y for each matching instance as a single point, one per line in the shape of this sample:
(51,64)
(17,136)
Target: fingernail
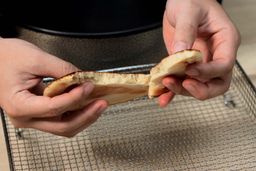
(179,46)
(192,72)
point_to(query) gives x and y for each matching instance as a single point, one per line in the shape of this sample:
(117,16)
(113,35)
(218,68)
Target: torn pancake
(112,87)
(117,88)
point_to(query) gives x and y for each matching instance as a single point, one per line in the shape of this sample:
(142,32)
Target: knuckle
(191,26)
(53,110)
(52,113)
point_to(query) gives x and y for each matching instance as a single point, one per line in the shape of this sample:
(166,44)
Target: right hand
(202,25)
(22,67)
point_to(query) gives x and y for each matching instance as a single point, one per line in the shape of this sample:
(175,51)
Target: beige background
(243,13)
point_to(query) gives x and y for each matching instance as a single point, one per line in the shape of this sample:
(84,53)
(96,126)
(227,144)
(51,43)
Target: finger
(213,69)
(40,63)
(164,99)
(53,66)
(186,27)
(203,91)
(83,127)
(41,106)
(70,125)
(174,85)
(223,47)
(168,34)
(78,123)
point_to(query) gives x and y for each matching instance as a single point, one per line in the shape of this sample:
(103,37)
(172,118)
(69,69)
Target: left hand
(22,67)
(202,25)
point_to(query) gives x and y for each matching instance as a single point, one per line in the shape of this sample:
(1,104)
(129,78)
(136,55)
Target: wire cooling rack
(216,134)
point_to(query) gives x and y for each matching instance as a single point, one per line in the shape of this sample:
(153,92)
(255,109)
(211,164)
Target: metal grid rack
(216,134)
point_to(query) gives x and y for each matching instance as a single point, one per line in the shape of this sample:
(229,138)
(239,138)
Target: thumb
(52,66)
(186,26)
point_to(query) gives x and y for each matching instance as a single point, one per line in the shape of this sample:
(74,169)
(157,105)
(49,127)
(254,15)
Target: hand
(22,67)
(205,26)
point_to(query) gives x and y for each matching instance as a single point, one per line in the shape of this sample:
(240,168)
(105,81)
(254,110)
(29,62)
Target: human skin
(202,25)
(22,67)
(199,24)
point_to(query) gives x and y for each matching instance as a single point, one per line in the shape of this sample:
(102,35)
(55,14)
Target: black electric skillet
(86,17)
